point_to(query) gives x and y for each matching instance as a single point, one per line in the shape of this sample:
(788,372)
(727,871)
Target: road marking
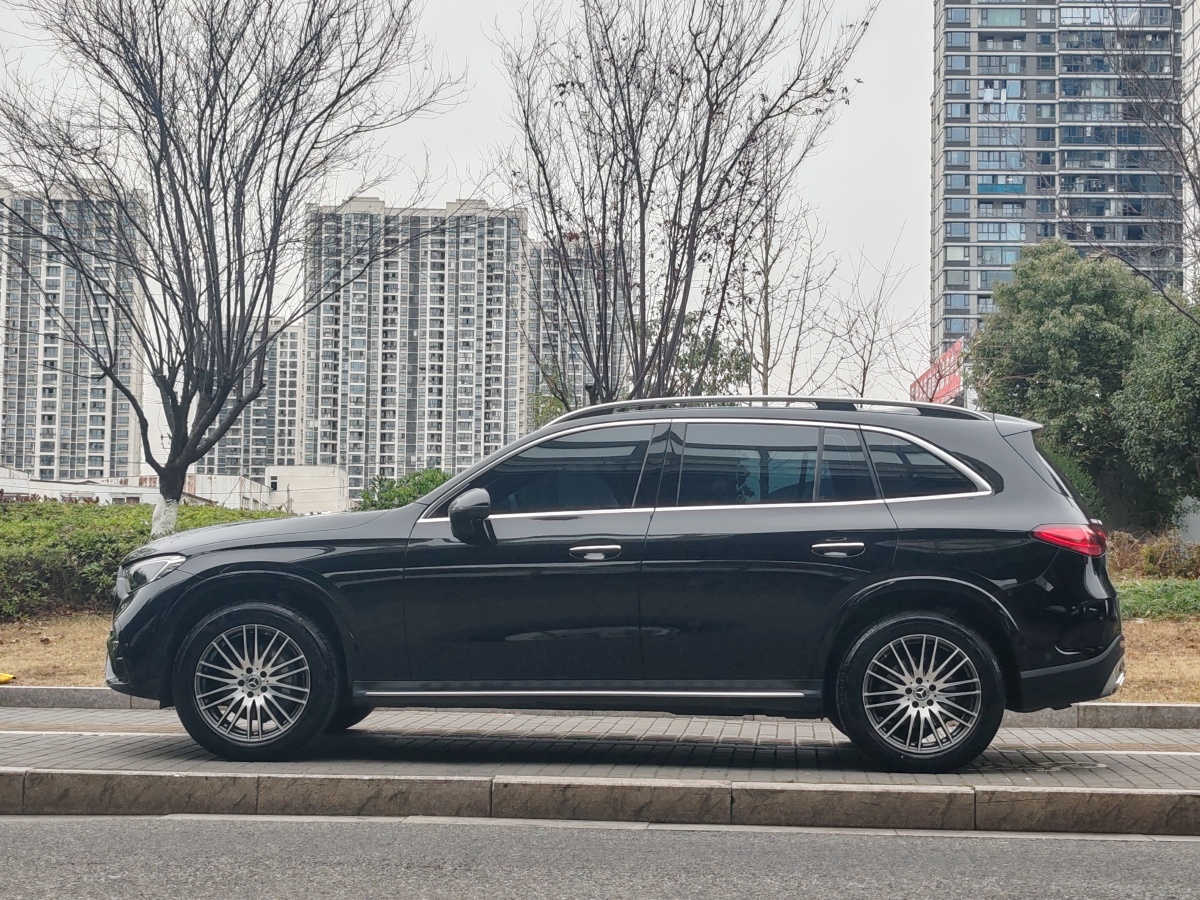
(466,821)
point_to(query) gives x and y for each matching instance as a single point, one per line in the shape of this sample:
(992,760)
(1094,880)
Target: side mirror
(469,513)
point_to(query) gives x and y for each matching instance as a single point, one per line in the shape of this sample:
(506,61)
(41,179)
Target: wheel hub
(252,684)
(922,694)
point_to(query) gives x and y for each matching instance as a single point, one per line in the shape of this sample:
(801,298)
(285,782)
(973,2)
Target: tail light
(1085,539)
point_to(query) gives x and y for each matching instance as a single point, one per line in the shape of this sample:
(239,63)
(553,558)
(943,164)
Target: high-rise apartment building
(415,356)
(561,317)
(269,432)
(60,417)
(1040,129)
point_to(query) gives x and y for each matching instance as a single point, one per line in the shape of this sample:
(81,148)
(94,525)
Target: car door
(762,529)
(554,597)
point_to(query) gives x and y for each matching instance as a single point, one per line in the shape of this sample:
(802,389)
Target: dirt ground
(63,650)
(1162,657)
(1162,661)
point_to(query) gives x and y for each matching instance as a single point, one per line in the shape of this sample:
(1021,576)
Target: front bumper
(1059,686)
(118,677)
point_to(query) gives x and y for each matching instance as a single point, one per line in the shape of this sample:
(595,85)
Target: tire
(271,712)
(345,717)
(902,719)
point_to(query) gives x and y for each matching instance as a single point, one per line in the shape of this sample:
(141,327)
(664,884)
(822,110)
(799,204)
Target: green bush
(1159,598)
(64,556)
(389,493)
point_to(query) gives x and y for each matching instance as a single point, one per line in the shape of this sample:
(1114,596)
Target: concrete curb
(1082,715)
(1110,715)
(70,698)
(699,802)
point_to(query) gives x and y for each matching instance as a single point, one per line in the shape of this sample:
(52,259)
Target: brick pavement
(438,742)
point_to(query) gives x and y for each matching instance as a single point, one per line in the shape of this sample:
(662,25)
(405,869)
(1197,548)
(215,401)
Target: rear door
(762,529)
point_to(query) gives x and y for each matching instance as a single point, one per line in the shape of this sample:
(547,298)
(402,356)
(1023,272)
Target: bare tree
(639,122)
(782,314)
(878,342)
(191,136)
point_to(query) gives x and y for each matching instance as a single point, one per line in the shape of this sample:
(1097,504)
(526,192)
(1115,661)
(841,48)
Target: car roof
(763,403)
(854,410)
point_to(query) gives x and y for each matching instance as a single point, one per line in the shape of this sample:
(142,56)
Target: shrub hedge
(1156,556)
(64,556)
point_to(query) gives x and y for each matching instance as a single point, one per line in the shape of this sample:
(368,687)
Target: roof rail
(839,404)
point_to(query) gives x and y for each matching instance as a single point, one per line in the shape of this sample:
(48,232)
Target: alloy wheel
(252,683)
(922,694)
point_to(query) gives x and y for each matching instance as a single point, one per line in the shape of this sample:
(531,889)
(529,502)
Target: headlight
(133,576)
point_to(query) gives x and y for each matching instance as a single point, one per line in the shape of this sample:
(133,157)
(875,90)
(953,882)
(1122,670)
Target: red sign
(941,382)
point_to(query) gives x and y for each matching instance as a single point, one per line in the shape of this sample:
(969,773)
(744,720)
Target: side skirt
(801,699)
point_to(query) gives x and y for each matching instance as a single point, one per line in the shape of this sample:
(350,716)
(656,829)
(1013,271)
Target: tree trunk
(166,511)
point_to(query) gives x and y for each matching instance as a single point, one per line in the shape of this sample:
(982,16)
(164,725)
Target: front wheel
(920,692)
(255,681)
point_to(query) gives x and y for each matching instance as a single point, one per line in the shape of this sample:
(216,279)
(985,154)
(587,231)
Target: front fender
(295,588)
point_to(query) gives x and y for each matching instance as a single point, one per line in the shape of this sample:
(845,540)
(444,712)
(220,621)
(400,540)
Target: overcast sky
(870,183)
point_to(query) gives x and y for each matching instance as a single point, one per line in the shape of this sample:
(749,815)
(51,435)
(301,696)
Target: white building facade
(415,356)
(60,417)
(1040,129)
(269,431)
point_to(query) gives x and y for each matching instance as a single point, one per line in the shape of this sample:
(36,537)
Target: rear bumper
(1060,686)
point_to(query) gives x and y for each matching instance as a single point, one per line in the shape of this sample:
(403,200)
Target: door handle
(596,552)
(839,549)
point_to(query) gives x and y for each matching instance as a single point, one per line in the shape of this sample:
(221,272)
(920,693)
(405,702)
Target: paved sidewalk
(471,743)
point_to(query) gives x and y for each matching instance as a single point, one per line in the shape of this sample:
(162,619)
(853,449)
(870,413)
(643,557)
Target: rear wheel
(255,681)
(920,692)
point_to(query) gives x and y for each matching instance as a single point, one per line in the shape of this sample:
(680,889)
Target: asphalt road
(232,858)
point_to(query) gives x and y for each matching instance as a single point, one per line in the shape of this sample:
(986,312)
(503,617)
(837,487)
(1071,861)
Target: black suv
(906,570)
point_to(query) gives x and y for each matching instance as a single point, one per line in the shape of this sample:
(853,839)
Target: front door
(555,598)
(761,531)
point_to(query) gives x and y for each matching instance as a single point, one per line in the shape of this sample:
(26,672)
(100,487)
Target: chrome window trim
(984,489)
(966,495)
(557,514)
(962,468)
(590,426)
(818,504)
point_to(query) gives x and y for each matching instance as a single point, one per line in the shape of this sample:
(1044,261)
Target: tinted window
(595,469)
(844,471)
(732,465)
(906,470)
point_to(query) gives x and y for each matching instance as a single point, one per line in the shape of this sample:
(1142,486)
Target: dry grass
(66,650)
(1162,657)
(1162,661)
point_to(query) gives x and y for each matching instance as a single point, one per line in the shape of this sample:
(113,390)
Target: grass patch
(1158,598)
